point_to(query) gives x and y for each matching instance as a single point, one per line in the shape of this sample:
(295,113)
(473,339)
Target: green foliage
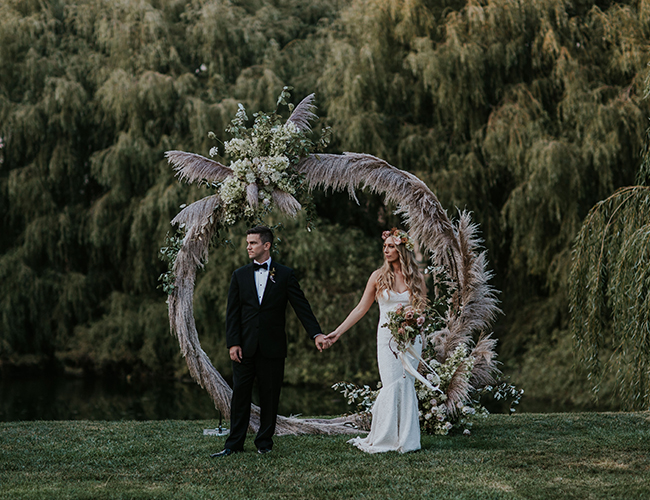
(168,253)
(610,292)
(516,110)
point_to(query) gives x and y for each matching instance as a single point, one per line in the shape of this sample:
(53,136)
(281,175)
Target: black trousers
(269,373)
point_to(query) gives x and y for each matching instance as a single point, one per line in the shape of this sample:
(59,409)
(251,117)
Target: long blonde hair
(413,277)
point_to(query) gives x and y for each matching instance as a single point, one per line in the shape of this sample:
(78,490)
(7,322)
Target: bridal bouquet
(405,324)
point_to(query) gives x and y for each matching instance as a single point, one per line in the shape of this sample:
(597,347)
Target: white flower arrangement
(432,404)
(262,156)
(262,161)
(261,172)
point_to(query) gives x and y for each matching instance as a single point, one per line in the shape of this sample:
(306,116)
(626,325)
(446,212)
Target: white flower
(241,168)
(231,189)
(238,147)
(214,151)
(448,425)
(466,432)
(290,127)
(229,218)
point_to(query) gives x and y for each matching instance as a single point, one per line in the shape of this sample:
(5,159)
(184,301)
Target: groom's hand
(236,353)
(321,342)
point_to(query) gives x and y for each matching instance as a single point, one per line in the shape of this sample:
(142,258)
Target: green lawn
(573,455)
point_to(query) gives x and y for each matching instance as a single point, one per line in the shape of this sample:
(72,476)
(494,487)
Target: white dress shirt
(261,277)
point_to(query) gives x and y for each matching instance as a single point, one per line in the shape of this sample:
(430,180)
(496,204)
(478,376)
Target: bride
(395,421)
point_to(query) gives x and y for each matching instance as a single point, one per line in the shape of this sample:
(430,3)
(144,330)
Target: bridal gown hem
(395,419)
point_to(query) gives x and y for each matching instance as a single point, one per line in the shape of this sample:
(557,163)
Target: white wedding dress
(395,421)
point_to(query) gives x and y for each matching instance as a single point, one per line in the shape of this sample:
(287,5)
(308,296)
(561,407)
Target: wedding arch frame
(453,245)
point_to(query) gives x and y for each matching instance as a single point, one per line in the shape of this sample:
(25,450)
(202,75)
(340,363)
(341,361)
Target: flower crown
(399,237)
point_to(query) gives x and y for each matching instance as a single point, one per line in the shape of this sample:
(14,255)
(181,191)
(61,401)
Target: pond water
(65,398)
(62,398)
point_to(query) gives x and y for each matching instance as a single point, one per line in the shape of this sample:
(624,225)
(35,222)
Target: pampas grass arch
(454,246)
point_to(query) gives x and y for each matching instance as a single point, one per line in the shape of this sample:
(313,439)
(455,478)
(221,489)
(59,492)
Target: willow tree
(525,113)
(610,291)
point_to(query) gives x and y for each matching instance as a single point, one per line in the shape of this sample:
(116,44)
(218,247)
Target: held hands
(321,342)
(332,337)
(326,341)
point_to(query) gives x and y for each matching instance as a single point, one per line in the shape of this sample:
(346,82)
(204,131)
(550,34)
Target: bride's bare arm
(359,311)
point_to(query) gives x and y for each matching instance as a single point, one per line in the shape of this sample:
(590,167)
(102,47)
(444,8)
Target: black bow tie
(257,266)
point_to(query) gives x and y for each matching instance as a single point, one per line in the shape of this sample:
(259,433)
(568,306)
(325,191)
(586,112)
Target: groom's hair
(266,235)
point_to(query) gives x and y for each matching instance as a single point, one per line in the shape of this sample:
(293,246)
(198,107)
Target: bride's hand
(333,337)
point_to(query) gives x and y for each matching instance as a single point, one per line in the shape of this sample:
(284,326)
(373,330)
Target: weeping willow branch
(610,293)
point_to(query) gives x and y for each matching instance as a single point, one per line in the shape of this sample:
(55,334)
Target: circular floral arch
(454,246)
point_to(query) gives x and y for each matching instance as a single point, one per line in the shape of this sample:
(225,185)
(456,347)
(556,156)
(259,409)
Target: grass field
(554,456)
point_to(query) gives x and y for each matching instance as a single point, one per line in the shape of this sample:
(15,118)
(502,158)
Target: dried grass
(303,114)
(191,167)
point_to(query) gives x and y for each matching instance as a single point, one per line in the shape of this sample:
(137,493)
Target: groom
(255,335)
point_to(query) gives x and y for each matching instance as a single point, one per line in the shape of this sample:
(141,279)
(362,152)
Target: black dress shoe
(223,453)
(264,451)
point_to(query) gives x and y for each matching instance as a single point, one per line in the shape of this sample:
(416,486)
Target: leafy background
(525,113)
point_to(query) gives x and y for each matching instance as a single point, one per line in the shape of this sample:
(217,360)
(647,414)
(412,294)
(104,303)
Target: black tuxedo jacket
(254,326)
